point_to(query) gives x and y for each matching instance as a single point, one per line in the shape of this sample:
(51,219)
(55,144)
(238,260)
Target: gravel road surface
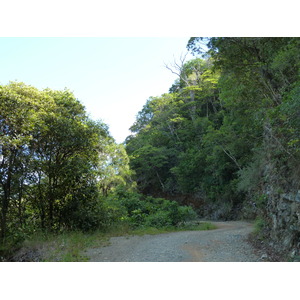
(227,243)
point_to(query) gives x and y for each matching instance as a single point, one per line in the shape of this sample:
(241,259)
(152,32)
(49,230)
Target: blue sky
(112,77)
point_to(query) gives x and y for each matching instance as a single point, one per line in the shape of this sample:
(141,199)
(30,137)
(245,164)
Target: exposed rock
(284,215)
(297,198)
(264,257)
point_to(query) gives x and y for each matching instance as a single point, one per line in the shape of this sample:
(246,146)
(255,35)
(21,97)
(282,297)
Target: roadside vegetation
(61,173)
(70,246)
(223,143)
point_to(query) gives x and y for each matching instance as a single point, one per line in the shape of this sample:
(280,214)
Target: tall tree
(20,108)
(50,154)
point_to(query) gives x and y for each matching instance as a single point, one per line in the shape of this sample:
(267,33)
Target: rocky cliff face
(279,185)
(283,212)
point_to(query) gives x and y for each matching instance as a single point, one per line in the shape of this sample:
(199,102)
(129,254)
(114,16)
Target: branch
(278,142)
(177,68)
(162,185)
(232,157)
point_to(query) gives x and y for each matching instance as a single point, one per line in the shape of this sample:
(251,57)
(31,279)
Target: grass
(64,247)
(259,225)
(70,246)
(153,230)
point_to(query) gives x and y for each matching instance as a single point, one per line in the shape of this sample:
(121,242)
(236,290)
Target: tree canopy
(228,114)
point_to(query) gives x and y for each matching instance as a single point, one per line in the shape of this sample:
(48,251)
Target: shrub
(137,217)
(140,210)
(159,219)
(186,213)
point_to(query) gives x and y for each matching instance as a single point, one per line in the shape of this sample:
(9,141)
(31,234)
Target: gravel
(228,243)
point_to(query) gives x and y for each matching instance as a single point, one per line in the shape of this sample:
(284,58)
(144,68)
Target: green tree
(66,147)
(113,168)
(50,156)
(169,126)
(20,108)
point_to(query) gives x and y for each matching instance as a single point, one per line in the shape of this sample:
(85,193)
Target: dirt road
(225,244)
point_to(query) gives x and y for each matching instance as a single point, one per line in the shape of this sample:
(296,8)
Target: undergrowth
(70,246)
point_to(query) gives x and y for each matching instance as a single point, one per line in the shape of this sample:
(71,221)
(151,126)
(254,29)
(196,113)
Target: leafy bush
(137,217)
(186,213)
(158,219)
(140,210)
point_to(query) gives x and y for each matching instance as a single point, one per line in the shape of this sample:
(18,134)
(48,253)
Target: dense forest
(225,139)
(223,143)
